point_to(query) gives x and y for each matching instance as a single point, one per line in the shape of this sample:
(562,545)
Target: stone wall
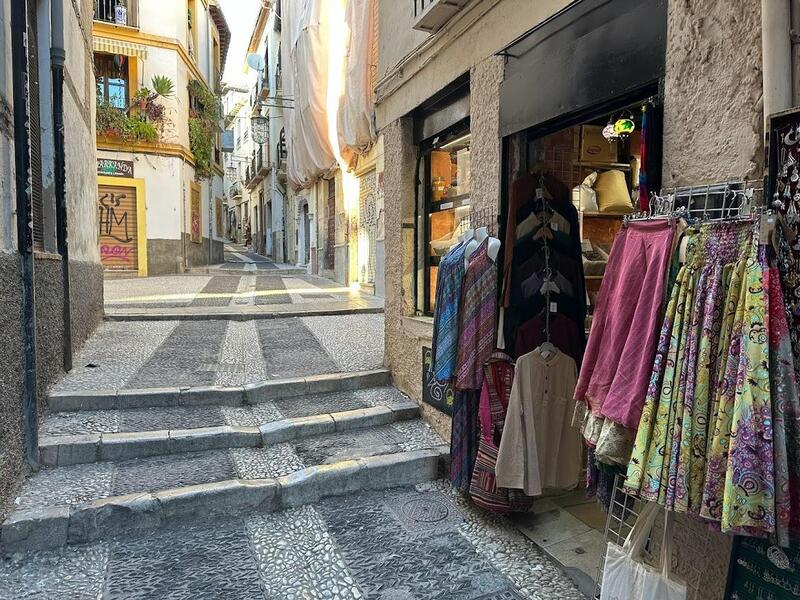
(712,108)
(12,454)
(484,84)
(713,132)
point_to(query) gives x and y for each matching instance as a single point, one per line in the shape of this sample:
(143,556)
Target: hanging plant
(144,119)
(203,127)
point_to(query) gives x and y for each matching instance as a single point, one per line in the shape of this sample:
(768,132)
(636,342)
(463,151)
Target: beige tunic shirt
(539,449)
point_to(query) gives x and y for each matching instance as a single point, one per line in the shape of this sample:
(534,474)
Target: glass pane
(117,93)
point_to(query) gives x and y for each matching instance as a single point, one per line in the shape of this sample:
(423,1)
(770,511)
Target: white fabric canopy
(356,124)
(306,29)
(304,50)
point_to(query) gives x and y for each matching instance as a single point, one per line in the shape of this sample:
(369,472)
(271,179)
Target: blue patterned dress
(446,315)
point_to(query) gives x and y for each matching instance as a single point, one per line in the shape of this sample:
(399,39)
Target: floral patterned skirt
(704,442)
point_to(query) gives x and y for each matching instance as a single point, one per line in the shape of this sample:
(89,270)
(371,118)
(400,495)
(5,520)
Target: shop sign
(439,395)
(759,569)
(111,167)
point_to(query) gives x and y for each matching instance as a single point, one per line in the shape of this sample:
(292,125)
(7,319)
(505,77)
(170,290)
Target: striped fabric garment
(445,320)
(478,319)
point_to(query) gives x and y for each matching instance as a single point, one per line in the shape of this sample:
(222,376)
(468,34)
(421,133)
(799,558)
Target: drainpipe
(22,166)
(57,60)
(776,46)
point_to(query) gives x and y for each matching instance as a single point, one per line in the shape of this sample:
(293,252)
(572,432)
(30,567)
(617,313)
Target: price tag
(539,193)
(553,226)
(553,307)
(445,205)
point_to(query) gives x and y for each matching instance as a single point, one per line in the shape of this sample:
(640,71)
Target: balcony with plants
(142,120)
(205,110)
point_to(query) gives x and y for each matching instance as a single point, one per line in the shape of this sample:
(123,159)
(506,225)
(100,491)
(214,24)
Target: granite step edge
(252,393)
(55,526)
(66,450)
(155,314)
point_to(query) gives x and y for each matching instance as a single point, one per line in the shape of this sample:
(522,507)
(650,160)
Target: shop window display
(447,203)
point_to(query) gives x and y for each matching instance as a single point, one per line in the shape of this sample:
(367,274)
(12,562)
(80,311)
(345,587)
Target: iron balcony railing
(117,12)
(235,189)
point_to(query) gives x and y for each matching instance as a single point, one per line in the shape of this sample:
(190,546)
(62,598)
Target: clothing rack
(716,201)
(622,514)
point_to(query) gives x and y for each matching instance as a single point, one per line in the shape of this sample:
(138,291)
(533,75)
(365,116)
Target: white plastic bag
(583,196)
(627,577)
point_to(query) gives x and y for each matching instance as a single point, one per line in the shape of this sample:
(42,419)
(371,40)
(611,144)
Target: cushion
(612,192)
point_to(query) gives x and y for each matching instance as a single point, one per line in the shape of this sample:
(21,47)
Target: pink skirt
(621,348)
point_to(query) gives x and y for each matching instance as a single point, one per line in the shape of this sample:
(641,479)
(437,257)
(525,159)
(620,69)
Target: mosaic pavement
(420,543)
(77,484)
(155,353)
(271,287)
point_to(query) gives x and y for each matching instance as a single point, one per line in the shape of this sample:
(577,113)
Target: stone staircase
(121,461)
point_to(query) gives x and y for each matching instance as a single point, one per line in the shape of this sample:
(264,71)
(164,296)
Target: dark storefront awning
(591,52)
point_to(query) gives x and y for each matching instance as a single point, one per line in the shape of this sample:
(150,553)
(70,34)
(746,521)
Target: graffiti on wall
(116,209)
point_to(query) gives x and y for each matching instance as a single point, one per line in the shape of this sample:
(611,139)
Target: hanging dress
(449,282)
(478,316)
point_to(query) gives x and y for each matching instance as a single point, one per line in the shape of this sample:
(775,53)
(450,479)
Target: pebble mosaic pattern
(169,353)
(388,439)
(118,351)
(289,349)
(177,470)
(78,422)
(262,463)
(67,486)
(117,290)
(189,417)
(298,559)
(437,564)
(499,542)
(240,361)
(189,356)
(73,572)
(192,563)
(276,288)
(354,341)
(77,484)
(409,543)
(224,285)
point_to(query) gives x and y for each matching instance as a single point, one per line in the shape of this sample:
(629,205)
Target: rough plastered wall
(405,334)
(713,92)
(484,83)
(712,133)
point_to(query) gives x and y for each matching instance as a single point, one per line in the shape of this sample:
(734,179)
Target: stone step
(240,313)
(250,394)
(65,450)
(82,503)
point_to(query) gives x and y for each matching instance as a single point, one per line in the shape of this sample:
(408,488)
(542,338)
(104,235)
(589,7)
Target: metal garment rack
(718,201)
(622,514)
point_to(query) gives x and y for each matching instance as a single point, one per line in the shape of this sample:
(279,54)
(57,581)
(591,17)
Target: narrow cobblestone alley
(201,457)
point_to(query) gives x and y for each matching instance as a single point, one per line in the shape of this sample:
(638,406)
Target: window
(447,206)
(112,79)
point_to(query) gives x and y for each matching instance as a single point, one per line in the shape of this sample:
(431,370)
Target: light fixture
(456,141)
(231,172)
(259,127)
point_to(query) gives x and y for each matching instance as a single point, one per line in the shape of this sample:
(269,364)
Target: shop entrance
(122,241)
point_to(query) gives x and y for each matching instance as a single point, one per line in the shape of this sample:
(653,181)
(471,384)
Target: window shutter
(35,128)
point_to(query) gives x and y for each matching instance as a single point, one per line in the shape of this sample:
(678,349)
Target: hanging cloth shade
(110,46)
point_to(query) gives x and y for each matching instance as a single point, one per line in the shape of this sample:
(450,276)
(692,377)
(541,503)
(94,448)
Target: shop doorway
(121,226)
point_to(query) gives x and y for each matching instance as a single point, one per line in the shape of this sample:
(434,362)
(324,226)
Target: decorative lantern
(231,173)
(259,128)
(624,127)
